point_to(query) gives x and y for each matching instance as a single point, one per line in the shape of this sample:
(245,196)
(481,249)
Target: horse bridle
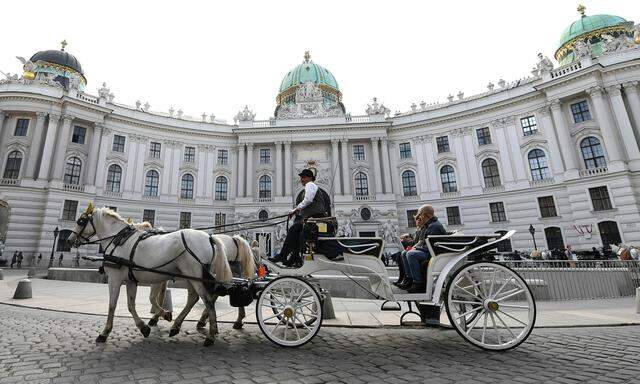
(84,220)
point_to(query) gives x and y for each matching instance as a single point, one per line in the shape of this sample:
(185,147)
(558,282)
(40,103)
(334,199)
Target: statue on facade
(582,49)
(104,92)
(618,43)
(244,115)
(377,109)
(636,33)
(544,65)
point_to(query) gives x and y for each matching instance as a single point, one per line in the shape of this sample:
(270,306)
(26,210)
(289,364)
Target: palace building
(557,150)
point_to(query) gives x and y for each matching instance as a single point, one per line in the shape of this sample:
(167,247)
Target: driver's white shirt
(310,190)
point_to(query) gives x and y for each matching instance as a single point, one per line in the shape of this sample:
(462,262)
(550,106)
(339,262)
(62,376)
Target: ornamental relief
(153,163)
(191,167)
(445,158)
(116,155)
(585,128)
(487,151)
(540,144)
(16,145)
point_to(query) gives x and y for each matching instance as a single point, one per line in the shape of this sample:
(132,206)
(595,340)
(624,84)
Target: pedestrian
(571,256)
(14,258)
(60,260)
(76,260)
(51,260)
(20,257)
(39,259)
(595,253)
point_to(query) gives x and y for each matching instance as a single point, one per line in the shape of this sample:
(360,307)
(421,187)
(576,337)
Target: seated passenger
(428,225)
(407,244)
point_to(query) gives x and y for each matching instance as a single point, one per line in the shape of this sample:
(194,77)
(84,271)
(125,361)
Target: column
(549,130)
(174,185)
(233,158)
(241,170)
(470,159)
(346,174)
(288,182)
(36,144)
(430,163)
(514,146)
(607,128)
(94,150)
(335,170)
(2,131)
(422,172)
(375,152)
(138,177)
(631,90)
(505,156)
(201,176)
(624,123)
(461,170)
(102,157)
(61,148)
(167,152)
(250,175)
(49,143)
(393,157)
(386,168)
(279,170)
(132,153)
(209,170)
(566,148)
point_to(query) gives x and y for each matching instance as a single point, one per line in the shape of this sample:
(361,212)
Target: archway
(63,245)
(609,233)
(554,238)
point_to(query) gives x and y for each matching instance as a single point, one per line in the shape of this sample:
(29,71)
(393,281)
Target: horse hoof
(237,325)
(152,322)
(145,330)
(101,339)
(173,332)
(200,324)
(208,342)
(168,316)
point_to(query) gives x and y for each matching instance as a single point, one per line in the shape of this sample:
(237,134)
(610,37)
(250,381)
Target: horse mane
(144,226)
(111,213)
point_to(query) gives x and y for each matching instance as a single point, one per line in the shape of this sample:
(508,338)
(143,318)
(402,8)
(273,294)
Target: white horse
(186,252)
(237,249)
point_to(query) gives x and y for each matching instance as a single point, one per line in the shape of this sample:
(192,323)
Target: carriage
(487,303)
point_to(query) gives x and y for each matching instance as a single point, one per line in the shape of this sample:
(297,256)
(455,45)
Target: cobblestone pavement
(50,347)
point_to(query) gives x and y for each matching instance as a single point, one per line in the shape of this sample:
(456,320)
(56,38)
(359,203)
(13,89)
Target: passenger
(428,225)
(407,244)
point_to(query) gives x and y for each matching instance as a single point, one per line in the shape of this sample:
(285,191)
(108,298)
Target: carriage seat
(327,226)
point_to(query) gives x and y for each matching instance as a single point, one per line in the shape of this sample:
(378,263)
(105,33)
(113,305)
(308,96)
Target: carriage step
(393,306)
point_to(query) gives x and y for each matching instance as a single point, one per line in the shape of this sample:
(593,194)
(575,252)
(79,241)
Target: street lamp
(532,231)
(55,237)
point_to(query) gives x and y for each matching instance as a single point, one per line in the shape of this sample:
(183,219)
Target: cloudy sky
(217,56)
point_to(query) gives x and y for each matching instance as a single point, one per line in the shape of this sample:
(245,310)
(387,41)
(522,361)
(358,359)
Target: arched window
(490,173)
(592,153)
(538,164)
(263,215)
(264,187)
(609,233)
(221,188)
(12,168)
(114,175)
(72,172)
(409,184)
(448,179)
(186,187)
(362,184)
(151,182)
(554,238)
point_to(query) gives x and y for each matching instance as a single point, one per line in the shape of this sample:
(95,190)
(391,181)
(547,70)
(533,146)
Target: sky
(218,56)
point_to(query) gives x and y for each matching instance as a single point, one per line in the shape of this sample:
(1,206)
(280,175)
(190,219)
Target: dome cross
(63,43)
(307,56)
(581,8)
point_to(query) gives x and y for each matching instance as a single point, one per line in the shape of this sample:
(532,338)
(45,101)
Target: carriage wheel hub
(288,311)
(491,305)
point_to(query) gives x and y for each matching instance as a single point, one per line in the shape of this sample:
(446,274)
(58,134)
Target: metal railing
(580,279)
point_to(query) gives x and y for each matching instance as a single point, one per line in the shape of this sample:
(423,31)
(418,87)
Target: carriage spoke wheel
(289,311)
(490,306)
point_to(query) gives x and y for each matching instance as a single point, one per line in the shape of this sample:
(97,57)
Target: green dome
(587,24)
(308,71)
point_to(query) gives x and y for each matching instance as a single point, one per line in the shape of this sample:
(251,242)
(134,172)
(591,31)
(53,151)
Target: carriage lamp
(55,237)
(532,231)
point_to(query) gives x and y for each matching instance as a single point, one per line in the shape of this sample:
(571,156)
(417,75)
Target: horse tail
(220,263)
(245,255)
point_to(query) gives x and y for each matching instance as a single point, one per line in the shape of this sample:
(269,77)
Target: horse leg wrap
(101,339)
(152,322)
(168,316)
(145,330)
(238,325)
(174,331)
(208,342)
(201,324)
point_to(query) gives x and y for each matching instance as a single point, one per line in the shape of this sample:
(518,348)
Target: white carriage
(487,303)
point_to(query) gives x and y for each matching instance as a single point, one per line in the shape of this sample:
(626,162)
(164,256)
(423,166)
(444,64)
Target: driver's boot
(406,283)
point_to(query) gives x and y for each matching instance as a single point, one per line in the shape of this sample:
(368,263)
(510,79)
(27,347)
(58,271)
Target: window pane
(592,153)
(221,188)
(600,198)
(79,134)
(453,216)
(409,184)
(149,215)
(151,183)
(72,171)
(490,173)
(69,210)
(484,136)
(223,157)
(358,152)
(362,184)
(22,126)
(189,154)
(538,164)
(118,143)
(448,179)
(411,221)
(264,187)
(265,155)
(547,206)
(580,111)
(529,125)
(154,150)
(442,143)
(405,150)
(114,176)
(12,167)
(185,220)
(186,187)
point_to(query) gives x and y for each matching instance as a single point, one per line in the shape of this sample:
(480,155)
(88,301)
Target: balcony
(117,195)
(494,189)
(264,199)
(15,182)
(565,70)
(593,171)
(73,187)
(151,198)
(449,195)
(364,197)
(186,201)
(541,183)
(411,197)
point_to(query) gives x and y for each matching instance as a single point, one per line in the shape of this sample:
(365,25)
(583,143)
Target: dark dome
(59,57)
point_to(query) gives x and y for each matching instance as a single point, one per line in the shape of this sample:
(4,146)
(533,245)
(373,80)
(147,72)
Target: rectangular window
(358,152)
(223,157)
(443,144)
(411,221)
(154,150)
(529,125)
(405,150)
(484,136)
(453,216)
(185,220)
(22,125)
(69,210)
(79,134)
(220,219)
(497,212)
(600,198)
(118,143)
(149,215)
(265,155)
(189,154)
(547,206)
(580,111)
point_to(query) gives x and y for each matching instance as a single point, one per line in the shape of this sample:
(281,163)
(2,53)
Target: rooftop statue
(544,65)
(582,49)
(244,115)
(377,109)
(618,43)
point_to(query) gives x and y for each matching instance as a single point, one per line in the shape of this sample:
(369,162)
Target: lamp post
(532,231)
(55,237)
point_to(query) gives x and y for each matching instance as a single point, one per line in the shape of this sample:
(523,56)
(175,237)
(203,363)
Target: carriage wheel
(289,311)
(490,306)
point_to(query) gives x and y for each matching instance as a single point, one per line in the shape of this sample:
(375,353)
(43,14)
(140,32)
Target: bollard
(23,291)
(32,272)
(167,304)
(327,307)
(1,275)
(638,301)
